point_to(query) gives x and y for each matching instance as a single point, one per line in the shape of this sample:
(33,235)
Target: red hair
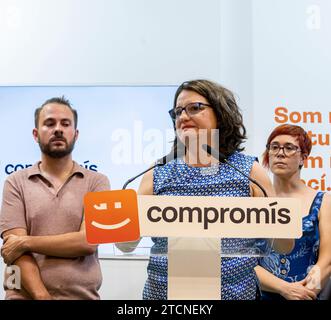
(291,130)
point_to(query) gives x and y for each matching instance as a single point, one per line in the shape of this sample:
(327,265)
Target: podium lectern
(201,231)
(194,264)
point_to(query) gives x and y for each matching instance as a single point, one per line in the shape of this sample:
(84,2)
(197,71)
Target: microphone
(160,162)
(222,158)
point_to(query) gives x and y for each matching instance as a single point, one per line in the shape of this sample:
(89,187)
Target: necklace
(49,177)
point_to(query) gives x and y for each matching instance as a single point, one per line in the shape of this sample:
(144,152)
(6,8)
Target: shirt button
(283,272)
(283,260)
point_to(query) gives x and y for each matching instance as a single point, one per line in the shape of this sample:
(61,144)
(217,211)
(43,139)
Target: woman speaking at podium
(205,112)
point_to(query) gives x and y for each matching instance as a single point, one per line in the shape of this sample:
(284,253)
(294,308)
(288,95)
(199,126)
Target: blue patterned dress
(295,266)
(238,278)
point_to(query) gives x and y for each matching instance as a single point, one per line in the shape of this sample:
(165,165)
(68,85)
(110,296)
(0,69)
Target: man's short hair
(59,100)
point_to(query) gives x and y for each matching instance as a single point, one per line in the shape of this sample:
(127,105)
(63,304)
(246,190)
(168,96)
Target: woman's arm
(320,273)
(260,175)
(146,184)
(145,188)
(290,291)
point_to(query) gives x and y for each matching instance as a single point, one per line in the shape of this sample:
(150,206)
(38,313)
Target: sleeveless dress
(238,278)
(295,266)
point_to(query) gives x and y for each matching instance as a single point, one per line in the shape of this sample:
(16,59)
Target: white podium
(202,230)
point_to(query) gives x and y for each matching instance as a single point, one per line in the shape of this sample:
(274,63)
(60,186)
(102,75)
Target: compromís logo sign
(120,216)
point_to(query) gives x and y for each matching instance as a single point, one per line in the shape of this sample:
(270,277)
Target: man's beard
(56,154)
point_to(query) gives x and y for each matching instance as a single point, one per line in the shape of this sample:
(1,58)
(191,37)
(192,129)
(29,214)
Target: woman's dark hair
(232,132)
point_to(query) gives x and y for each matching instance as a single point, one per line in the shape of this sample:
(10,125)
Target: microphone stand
(160,162)
(222,158)
(138,175)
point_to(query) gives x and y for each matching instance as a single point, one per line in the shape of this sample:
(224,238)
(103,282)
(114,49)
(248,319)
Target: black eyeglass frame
(174,117)
(280,147)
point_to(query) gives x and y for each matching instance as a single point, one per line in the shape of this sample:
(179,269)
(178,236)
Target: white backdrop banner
(292,67)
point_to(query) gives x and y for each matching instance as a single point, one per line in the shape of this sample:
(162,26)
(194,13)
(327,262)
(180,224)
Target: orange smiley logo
(111,216)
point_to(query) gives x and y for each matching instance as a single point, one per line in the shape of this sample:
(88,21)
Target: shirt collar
(35,170)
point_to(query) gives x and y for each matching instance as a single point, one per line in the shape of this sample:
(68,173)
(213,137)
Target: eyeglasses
(289,149)
(191,109)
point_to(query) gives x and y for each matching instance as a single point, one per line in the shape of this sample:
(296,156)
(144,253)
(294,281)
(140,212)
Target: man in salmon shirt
(41,219)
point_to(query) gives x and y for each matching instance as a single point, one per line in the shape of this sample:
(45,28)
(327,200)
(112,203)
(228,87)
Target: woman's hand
(297,291)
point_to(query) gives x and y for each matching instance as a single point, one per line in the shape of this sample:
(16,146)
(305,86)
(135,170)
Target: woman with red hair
(301,274)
